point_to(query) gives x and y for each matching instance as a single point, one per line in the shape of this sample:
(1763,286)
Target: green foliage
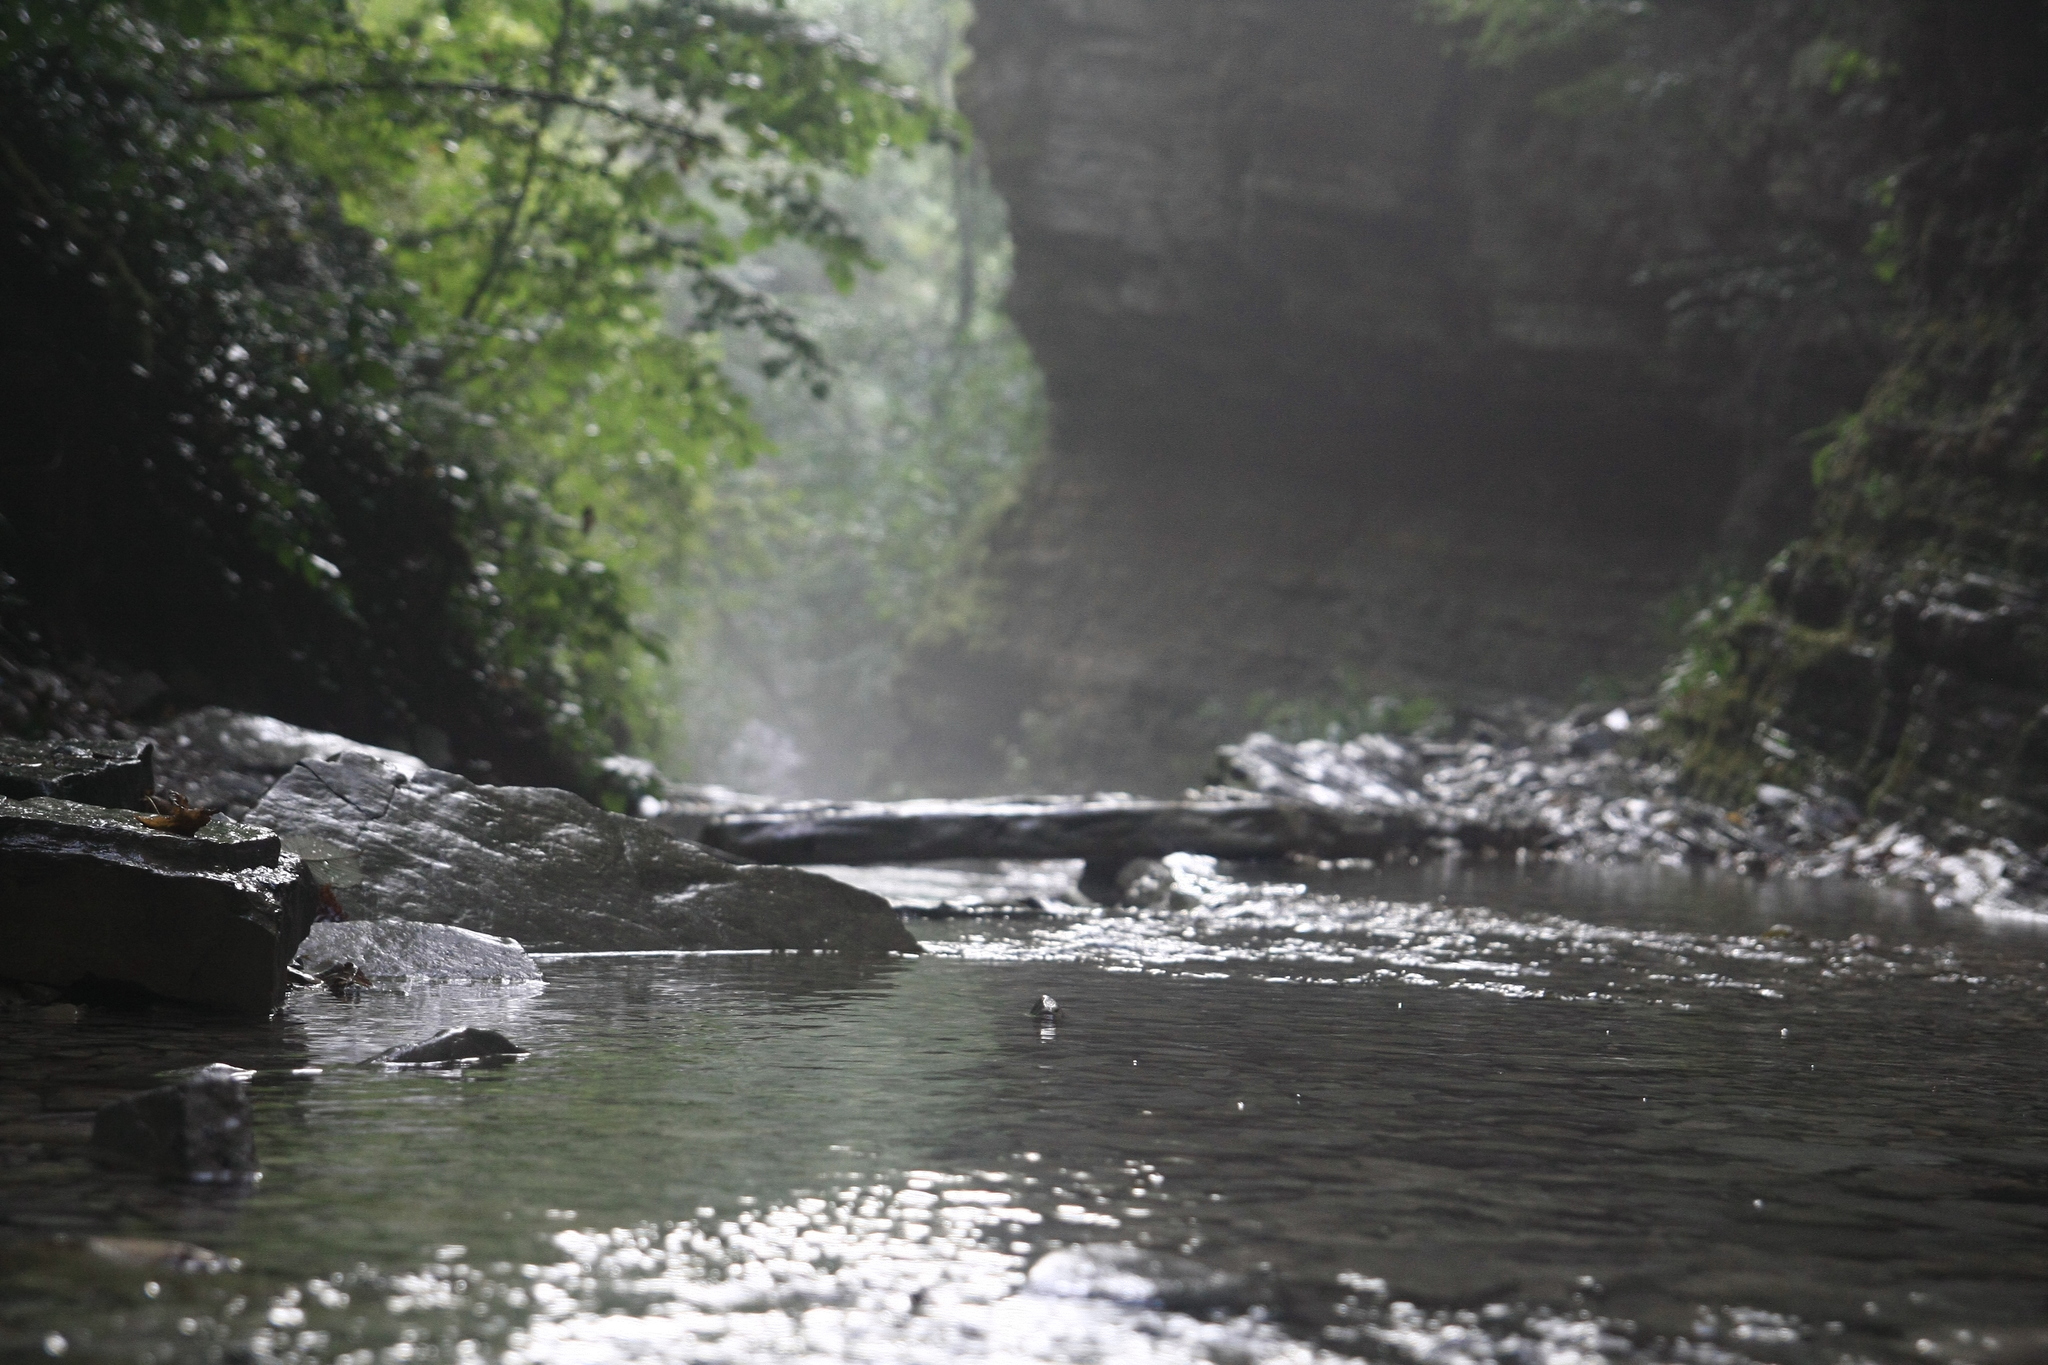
(1836,66)
(1717,714)
(416,307)
(538,169)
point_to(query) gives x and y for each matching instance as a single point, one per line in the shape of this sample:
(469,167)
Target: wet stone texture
(97,905)
(107,773)
(396,949)
(61,1064)
(227,760)
(549,869)
(72,828)
(450,1045)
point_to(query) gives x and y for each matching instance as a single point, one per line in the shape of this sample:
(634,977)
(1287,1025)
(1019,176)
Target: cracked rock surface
(549,869)
(226,760)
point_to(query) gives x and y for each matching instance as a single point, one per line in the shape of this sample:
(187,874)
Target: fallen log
(1099,829)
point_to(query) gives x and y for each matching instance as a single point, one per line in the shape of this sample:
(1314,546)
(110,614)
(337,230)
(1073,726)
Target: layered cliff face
(1356,385)
(1898,653)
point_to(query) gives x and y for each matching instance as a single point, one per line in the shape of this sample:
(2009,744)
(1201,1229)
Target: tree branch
(485,89)
(510,227)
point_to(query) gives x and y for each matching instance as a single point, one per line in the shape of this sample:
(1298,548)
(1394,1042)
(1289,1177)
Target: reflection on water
(1440,1116)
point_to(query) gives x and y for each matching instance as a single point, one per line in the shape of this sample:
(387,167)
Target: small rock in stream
(406,950)
(1147,884)
(1137,1277)
(1045,1008)
(152,1253)
(199,1129)
(454,1045)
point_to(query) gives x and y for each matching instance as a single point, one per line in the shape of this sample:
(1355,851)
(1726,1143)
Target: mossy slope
(1899,652)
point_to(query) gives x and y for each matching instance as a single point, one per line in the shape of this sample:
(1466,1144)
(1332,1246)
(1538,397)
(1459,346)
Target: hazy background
(820,561)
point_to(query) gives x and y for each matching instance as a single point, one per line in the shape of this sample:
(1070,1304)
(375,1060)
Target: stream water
(1450,1116)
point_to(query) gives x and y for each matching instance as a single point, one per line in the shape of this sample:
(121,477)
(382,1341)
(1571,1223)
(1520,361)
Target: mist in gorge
(824,558)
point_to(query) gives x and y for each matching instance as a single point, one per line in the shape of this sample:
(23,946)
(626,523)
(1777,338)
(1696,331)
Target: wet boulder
(549,869)
(99,773)
(98,905)
(227,760)
(451,1046)
(199,1129)
(397,949)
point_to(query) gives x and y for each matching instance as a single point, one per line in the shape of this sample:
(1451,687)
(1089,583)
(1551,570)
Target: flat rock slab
(396,949)
(549,869)
(93,902)
(98,774)
(74,829)
(1099,829)
(226,760)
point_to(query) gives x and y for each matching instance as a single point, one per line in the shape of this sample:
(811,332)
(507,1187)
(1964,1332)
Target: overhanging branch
(667,128)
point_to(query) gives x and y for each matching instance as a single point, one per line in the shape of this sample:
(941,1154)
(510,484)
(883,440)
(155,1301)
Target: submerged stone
(97,905)
(1137,1277)
(200,1129)
(108,773)
(409,950)
(1147,884)
(152,1253)
(547,868)
(453,1045)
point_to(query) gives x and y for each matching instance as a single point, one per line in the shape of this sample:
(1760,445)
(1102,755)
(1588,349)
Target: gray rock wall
(1349,376)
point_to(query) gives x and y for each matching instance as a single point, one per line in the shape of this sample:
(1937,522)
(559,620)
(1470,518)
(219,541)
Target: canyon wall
(1356,386)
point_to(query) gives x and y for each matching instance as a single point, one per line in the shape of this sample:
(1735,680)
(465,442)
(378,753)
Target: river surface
(1548,1117)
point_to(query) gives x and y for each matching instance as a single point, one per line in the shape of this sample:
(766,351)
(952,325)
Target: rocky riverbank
(1601,788)
(117,887)
(1594,786)
(442,877)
